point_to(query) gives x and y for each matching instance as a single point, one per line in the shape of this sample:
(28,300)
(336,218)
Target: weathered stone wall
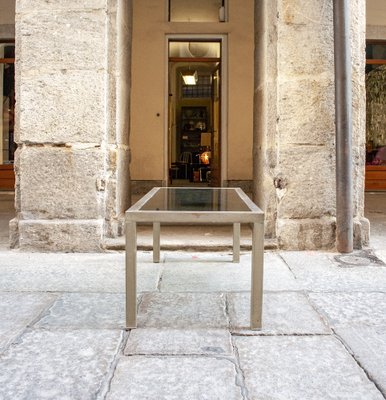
(69,154)
(73,102)
(294,121)
(265,145)
(118,190)
(358,44)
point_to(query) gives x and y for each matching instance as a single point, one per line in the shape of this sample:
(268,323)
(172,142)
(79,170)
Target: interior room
(376,115)
(7,112)
(194,113)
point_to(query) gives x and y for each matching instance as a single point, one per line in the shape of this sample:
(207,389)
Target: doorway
(7,113)
(194,113)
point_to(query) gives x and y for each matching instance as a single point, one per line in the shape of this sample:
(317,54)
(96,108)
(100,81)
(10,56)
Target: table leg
(156,241)
(257,275)
(131,275)
(236,242)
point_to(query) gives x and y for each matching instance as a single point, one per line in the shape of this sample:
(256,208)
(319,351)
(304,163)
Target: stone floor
(62,330)
(6,214)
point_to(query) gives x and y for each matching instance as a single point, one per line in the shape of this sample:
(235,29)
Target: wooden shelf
(375,178)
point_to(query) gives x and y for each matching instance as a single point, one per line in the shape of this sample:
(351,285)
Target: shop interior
(376,115)
(194,137)
(7,112)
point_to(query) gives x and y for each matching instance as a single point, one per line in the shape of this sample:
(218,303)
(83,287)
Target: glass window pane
(376,51)
(196,11)
(202,89)
(376,115)
(194,49)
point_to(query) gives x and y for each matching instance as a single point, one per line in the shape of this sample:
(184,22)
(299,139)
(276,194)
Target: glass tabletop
(189,199)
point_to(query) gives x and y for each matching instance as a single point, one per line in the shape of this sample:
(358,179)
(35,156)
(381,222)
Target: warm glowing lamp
(205,157)
(190,78)
(205,142)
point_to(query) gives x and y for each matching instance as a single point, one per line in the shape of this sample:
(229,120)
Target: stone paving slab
(210,272)
(283,313)
(104,272)
(351,309)
(17,310)
(277,275)
(315,271)
(368,344)
(86,311)
(182,310)
(145,378)
(205,273)
(381,254)
(301,367)
(58,364)
(155,341)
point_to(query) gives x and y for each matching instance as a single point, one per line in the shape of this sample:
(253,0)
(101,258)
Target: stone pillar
(265,155)
(118,190)
(294,147)
(306,193)
(66,108)
(358,45)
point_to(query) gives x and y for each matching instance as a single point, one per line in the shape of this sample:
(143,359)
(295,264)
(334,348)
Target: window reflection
(197,11)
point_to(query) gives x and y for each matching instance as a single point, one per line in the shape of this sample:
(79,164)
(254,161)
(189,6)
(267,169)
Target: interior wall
(375,12)
(376,19)
(149,63)
(7,12)
(7,19)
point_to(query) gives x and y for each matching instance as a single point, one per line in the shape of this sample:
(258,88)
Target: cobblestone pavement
(62,330)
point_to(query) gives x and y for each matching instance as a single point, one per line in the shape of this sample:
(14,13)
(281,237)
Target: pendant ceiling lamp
(190,77)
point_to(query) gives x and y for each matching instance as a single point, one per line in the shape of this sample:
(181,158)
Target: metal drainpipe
(343,126)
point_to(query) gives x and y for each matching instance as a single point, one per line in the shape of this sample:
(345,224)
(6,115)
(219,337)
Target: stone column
(358,44)
(265,155)
(63,97)
(118,188)
(294,147)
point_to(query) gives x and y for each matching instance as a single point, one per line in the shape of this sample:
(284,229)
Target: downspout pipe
(343,127)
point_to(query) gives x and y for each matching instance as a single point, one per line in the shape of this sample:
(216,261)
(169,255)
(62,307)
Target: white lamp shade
(190,78)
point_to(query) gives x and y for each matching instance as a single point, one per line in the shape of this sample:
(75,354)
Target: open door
(216,140)
(194,131)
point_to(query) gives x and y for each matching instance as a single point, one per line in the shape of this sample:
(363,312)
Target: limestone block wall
(295,140)
(358,51)
(305,90)
(70,146)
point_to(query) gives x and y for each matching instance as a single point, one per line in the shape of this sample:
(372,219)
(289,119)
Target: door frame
(223,39)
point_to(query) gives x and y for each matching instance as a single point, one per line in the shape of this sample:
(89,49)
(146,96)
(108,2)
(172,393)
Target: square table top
(190,204)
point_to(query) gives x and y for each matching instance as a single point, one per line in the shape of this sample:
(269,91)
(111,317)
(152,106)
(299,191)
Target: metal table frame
(253,216)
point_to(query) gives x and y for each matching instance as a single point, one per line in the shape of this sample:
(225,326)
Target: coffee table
(204,205)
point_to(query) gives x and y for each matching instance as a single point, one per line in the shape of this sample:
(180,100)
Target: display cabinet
(194,121)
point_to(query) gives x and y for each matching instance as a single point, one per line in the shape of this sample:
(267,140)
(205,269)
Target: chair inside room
(183,165)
